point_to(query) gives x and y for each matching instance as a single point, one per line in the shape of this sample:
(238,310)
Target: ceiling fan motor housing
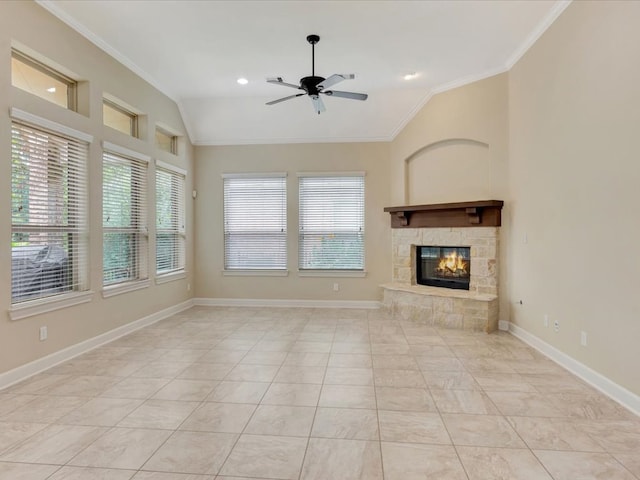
(310,84)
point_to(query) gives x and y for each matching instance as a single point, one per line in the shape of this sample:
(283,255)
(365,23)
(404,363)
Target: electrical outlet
(583,338)
(546,320)
(556,325)
(188,287)
(43,334)
(336,287)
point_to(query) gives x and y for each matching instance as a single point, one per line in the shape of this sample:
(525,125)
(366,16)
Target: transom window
(38,79)
(124,218)
(48,216)
(166,141)
(170,219)
(255,221)
(119,118)
(331,221)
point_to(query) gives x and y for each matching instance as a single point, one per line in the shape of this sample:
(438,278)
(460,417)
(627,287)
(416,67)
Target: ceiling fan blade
(335,78)
(351,95)
(273,102)
(318,104)
(279,81)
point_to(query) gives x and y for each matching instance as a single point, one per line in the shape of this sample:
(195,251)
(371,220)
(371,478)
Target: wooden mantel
(483,213)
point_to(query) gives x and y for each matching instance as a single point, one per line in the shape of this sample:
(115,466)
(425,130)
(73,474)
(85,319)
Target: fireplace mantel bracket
(474,215)
(483,213)
(403,218)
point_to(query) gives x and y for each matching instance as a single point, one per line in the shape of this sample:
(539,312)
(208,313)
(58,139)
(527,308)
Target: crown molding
(56,11)
(548,20)
(280,141)
(537,32)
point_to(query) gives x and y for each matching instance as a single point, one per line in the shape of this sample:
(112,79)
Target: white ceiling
(194,51)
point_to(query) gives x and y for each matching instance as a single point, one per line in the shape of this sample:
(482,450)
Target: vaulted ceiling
(194,52)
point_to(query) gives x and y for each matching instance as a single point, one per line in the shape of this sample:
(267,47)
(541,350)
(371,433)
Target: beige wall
(455,150)
(457,143)
(574,176)
(31,26)
(554,138)
(211,162)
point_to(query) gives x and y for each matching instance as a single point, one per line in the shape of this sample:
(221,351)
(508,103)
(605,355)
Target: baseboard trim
(616,392)
(23,372)
(259,302)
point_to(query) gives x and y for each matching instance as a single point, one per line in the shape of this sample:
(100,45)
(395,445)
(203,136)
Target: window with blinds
(48,215)
(255,222)
(170,219)
(331,223)
(124,219)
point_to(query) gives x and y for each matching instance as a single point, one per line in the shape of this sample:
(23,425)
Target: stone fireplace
(421,233)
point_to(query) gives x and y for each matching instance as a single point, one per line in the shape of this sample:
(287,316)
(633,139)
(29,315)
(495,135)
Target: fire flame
(453,264)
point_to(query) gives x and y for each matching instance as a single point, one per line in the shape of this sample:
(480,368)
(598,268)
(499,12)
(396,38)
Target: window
(166,141)
(48,217)
(170,214)
(36,78)
(331,227)
(124,217)
(255,222)
(119,118)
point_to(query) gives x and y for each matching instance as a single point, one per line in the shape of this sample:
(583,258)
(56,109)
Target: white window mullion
(331,222)
(255,222)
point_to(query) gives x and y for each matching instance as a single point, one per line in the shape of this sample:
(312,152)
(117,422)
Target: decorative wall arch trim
(432,146)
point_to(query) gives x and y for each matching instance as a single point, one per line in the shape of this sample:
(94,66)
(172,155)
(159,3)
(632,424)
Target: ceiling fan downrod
(313,39)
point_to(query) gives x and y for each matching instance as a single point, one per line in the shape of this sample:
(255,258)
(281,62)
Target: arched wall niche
(449,170)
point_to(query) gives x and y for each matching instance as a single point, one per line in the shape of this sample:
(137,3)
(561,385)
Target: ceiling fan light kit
(314,86)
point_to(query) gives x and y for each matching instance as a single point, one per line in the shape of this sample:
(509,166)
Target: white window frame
(77,226)
(176,226)
(305,238)
(139,163)
(246,228)
(134,127)
(173,138)
(43,68)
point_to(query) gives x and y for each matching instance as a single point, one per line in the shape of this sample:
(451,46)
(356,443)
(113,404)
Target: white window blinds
(170,220)
(124,219)
(255,222)
(331,226)
(48,213)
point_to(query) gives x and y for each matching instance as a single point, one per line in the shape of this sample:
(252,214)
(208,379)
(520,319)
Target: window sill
(255,273)
(121,288)
(44,305)
(170,277)
(333,273)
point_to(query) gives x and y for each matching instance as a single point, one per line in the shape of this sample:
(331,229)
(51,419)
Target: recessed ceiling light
(51,89)
(243,81)
(410,76)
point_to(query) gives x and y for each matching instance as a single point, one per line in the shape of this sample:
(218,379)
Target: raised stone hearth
(475,309)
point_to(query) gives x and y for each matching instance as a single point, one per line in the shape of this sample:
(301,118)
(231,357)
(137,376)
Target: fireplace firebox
(447,267)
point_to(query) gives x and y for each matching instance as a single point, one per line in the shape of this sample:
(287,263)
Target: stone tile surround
(475,309)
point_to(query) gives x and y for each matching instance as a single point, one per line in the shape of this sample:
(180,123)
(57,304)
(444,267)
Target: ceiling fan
(314,86)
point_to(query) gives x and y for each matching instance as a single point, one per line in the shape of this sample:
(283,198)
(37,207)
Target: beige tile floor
(311,394)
